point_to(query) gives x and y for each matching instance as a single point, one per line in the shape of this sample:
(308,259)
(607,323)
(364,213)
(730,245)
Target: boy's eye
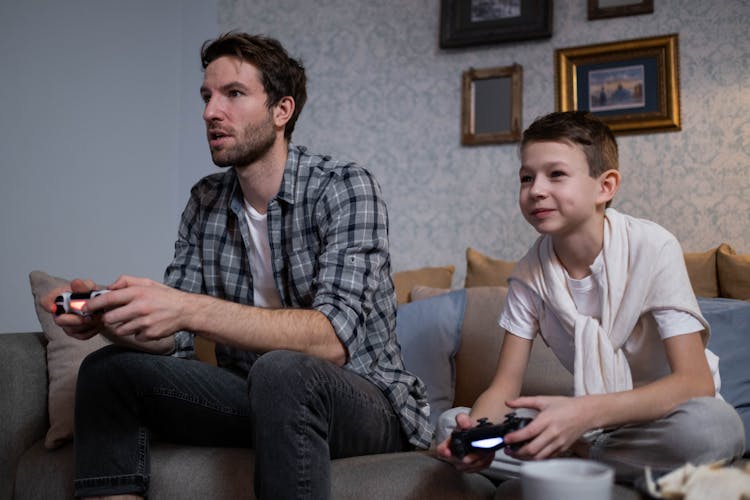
(557,173)
(526,178)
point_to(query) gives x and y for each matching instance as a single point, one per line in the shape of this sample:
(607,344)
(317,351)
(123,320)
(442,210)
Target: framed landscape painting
(632,85)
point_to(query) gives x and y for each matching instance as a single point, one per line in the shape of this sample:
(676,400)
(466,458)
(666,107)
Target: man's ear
(283,110)
(609,183)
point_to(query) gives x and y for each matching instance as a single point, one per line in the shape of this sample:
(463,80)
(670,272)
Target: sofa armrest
(23,406)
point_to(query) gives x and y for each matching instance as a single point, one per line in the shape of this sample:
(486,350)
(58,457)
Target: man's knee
(283,380)
(102,363)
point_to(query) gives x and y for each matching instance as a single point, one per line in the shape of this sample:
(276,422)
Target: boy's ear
(283,111)
(609,183)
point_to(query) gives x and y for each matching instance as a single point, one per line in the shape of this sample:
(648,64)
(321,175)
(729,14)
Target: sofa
(449,337)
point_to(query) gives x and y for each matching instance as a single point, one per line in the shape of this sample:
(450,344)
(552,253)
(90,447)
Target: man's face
(557,195)
(239,124)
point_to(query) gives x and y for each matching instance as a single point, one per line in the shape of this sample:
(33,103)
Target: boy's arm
(690,378)
(505,385)
(563,420)
(507,382)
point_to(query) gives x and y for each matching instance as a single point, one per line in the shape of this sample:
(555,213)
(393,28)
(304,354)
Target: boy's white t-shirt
(644,352)
(265,293)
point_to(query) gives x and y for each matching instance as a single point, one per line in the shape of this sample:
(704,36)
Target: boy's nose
(538,188)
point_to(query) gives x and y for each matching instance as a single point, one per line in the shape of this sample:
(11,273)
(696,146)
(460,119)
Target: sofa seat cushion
(186,472)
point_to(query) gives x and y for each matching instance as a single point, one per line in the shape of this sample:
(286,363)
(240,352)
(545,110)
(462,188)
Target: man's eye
(205,98)
(235,93)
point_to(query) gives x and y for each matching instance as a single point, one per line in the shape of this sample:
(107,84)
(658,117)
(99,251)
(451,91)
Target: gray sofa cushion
(181,472)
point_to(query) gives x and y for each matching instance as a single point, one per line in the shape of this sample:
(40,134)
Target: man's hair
(577,128)
(281,75)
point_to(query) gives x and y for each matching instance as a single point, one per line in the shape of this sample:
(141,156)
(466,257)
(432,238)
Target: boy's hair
(281,75)
(577,128)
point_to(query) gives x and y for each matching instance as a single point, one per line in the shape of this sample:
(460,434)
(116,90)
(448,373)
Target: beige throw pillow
(64,356)
(436,277)
(701,268)
(482,270)
(734,273)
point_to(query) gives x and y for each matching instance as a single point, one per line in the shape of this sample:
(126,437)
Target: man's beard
(259,140)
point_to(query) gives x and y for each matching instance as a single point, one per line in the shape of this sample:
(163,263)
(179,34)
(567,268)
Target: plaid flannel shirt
(328,230)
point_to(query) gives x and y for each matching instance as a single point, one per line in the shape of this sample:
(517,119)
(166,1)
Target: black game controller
(73,302)
(486,436)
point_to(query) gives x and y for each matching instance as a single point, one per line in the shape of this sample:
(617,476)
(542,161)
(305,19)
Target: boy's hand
(473,462)
(560,423)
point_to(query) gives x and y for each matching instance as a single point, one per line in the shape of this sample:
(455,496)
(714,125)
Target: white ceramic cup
(566,479)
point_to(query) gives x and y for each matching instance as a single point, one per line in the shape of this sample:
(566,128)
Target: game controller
(486,436)
(73,302)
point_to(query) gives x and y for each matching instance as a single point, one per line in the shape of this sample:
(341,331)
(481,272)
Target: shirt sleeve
(185,271)
(519,316)
(672,322)
(354,260)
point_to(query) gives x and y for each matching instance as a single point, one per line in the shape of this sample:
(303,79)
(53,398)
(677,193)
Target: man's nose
(212,110)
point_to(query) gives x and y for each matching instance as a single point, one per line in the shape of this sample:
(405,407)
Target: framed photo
(602,9)
(491,105)
(476,22)
(632,85)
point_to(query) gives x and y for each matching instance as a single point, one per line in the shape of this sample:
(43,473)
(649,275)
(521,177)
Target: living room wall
(382,93)
(101,138)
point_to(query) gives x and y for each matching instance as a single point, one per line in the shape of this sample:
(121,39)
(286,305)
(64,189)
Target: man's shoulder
(214,183)
(325,164)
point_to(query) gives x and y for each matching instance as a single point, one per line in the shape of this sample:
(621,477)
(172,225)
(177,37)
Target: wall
(101,137)
(383,93)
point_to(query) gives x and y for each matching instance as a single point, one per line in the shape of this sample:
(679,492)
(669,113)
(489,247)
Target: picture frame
(491,105)
(604,9)
(632,85)
(466,23)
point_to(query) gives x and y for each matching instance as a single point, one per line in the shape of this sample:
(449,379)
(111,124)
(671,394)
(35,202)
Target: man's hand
(473,462)
(141,308)
(81,328)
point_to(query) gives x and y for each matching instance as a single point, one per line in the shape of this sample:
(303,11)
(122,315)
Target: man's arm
(147,312)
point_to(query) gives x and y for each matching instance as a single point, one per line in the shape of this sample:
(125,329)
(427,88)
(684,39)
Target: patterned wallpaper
(382,93)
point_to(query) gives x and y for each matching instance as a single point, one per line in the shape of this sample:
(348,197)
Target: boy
(610,295)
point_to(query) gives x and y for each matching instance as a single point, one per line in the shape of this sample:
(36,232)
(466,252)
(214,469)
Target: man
(282,260)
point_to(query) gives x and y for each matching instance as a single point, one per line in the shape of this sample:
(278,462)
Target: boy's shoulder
(646,232)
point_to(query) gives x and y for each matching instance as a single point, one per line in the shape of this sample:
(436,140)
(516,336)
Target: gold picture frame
(491,104)
(632,85)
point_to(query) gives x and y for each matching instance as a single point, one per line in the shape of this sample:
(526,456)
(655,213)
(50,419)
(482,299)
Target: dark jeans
(296,410)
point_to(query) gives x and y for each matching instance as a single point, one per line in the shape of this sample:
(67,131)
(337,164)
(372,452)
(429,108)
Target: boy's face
(557,196)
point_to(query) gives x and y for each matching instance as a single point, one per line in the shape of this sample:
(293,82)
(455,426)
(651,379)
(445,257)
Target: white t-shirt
(644,351)
(261,267)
